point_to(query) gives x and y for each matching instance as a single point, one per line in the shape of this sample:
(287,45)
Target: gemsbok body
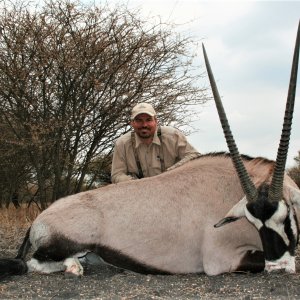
(173,223)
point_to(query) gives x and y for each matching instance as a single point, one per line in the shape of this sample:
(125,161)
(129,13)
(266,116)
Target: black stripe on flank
(118,259)
(61,248)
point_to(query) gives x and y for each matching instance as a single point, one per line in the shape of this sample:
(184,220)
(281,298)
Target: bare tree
(69,77)
(294,172)
(14,170)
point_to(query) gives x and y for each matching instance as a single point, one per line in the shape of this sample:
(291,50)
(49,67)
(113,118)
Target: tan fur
(164,221)
(260,170)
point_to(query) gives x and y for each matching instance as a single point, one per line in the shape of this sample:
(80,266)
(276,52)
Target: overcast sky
(250,47)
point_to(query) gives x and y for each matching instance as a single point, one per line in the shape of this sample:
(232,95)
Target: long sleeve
(119,164)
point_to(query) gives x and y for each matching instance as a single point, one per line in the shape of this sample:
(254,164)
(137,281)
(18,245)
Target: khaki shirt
(175,148)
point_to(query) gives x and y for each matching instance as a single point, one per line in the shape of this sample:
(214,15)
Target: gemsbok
(173,223)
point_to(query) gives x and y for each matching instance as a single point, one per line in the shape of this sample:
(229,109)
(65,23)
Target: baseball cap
(143,108)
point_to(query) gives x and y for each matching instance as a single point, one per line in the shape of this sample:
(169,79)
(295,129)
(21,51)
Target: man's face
(144,126)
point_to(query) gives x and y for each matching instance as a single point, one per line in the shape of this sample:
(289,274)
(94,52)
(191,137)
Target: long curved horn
(246,183)
(275,191)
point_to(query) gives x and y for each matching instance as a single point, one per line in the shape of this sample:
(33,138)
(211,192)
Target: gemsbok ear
(237,212)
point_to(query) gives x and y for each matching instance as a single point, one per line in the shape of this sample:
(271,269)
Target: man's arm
(119,168)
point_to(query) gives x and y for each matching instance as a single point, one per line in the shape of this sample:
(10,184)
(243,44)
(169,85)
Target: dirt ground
(106,282)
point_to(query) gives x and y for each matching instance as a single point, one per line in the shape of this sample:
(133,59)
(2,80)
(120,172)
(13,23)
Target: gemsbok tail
(16,266)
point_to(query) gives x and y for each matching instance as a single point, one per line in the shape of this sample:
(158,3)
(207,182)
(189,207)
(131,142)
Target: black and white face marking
(278,230)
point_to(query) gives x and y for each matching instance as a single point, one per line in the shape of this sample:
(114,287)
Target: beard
(145,133)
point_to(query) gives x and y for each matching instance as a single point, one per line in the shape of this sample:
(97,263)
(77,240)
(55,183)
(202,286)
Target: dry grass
(13,226)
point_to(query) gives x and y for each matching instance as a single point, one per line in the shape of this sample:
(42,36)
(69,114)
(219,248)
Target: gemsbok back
(173,223)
